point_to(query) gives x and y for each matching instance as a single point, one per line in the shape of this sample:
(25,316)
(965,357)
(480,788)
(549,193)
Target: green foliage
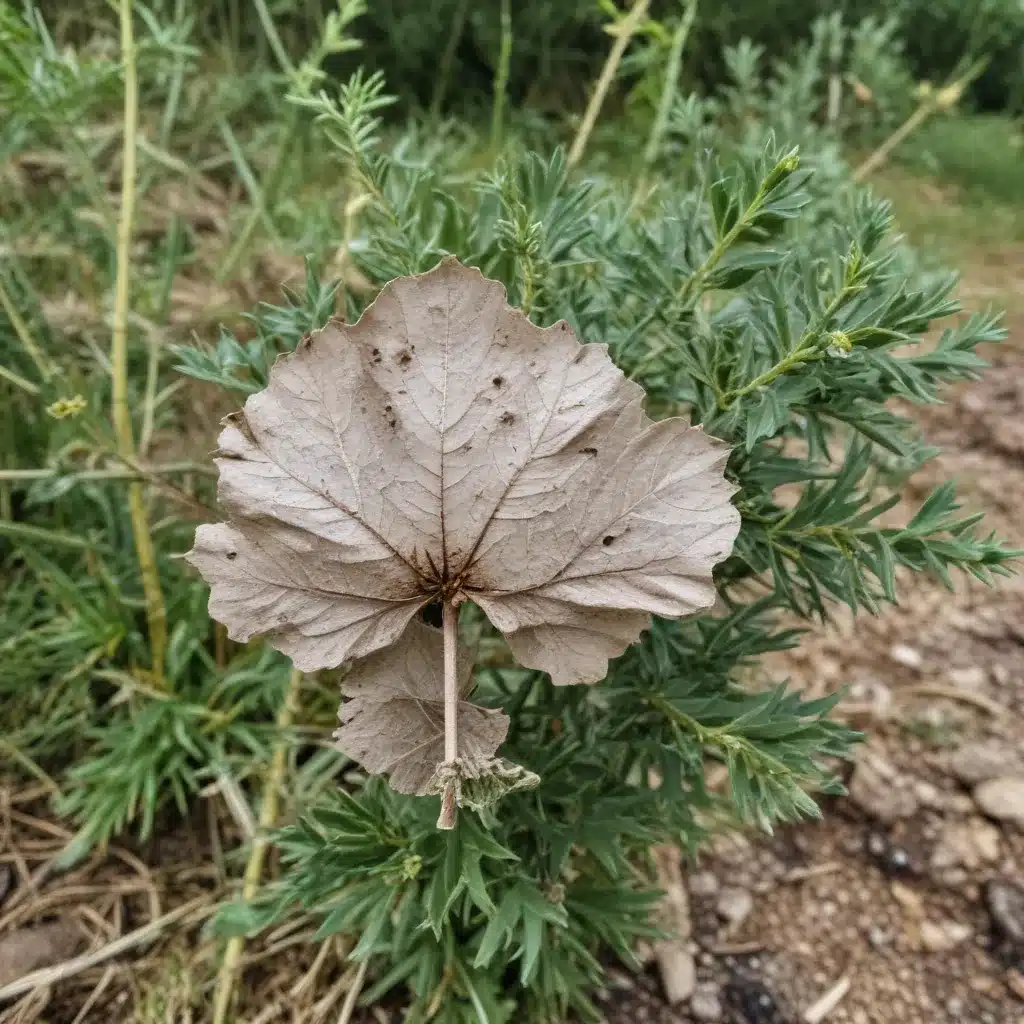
(982,154)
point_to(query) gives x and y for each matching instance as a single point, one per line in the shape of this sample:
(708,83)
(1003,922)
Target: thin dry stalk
(942,99)
(254,867)
(100,988)
(349,1005)
(47,976)
(624,32)
(156,611)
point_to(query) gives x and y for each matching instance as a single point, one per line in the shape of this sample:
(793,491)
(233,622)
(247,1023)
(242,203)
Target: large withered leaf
(444,446)
(393,721)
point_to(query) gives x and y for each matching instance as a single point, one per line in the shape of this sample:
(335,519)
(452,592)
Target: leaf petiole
(450,629)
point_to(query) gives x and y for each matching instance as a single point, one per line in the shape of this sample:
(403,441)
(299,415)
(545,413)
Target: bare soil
(861,905)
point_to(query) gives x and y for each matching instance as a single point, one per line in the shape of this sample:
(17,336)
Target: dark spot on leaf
(232,555)
(392,422)
(431,613)
(607,540)
(387,408)
(498,381)
(404,358)
(563,326)
(507,418)
(588,451)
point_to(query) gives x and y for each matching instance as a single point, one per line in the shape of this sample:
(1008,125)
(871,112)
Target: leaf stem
(450,628)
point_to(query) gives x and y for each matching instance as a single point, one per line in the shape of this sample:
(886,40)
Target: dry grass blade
(52,975)
(348,1007)
(822,1007)
(101,986)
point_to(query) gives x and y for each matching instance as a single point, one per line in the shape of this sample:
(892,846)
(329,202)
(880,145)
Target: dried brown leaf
(444,446)
(393,722)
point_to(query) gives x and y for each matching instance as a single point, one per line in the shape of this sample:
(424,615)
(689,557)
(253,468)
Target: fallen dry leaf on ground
(444,448)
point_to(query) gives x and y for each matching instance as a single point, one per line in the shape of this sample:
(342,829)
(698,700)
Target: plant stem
(668,89)
(156,612)
(257,855)
(623,33)
(143,472)
(28,343)
(444,72)
(262,210)
(501,77)
(807,350)
(270,31)
(942,99)
(450,628)
(19,381)
(880,155)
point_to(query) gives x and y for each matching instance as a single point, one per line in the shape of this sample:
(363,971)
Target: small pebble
(1005,902)
(706,1004)
(971,679)
(875,792)
(979,762)
(703,883)
(908,657)
(734,905)
(1002,798)
(942,936)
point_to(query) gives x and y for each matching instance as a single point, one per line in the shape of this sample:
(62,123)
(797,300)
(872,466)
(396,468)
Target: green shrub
(787,348)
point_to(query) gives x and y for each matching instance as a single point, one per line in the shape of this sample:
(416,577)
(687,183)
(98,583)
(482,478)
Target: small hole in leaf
(232,555)
(432,613)
(607,540)
(498,381)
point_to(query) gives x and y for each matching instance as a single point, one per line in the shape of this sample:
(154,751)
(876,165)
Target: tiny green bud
(411,866)
(839,344)
(782,170)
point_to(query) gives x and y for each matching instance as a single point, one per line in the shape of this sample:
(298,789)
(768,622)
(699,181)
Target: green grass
(980,153)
